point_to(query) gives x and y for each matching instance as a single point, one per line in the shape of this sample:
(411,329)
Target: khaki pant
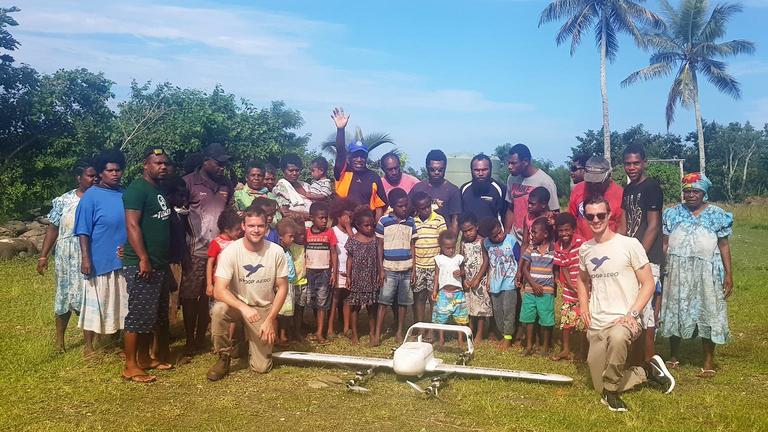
(260,353)
(607,357)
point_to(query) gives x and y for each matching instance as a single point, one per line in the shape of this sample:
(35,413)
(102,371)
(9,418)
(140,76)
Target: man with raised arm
(354,180)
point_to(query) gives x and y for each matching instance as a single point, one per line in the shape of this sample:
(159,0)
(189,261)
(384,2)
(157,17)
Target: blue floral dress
(69,280)
(693,300)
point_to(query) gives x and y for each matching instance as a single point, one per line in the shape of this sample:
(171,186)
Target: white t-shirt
(341,240)
(611,266)
(447,266)
(252,275)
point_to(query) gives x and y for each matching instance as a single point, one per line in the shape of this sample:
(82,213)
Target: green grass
(45,391)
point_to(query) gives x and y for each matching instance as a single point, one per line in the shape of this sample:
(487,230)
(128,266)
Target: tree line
(49,121)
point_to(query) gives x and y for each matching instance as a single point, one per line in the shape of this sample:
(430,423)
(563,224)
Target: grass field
(46,391)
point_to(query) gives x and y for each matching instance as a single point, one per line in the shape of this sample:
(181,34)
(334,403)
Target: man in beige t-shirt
(618,271)
(250,287)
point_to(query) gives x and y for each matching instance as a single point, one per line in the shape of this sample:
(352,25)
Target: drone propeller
(357,388)
(431,391)
(416,387)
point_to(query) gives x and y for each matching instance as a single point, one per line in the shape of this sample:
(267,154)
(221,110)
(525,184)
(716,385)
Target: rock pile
(22,239)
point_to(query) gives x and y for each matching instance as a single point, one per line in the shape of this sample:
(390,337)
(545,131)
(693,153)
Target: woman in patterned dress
(69,280)
(475,278)
(698,276)
(362,271)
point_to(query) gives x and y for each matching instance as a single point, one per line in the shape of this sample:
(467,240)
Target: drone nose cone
(411,358)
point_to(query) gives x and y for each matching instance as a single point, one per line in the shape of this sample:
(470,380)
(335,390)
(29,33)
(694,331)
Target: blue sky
(460,76)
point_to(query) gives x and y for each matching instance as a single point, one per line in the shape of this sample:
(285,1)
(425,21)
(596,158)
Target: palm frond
(668,10)
(372,140)
(673,98)
(655,70)
(725,49)
(688,85)
(560,9)
(715,27)
(716,73)
(670,57)
(661,42)
(643,15)
(611,39)
(690,20)
(575,26)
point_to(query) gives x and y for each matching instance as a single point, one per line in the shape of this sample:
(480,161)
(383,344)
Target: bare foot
(58,348)
(505,344)
(375,342)
(527,352)
(562,355)
(353,339)
(399,337)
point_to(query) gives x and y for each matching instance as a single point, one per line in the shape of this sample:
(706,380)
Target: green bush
(667,174)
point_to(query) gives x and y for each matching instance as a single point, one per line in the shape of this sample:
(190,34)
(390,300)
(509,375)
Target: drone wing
(293,357)
(501,373)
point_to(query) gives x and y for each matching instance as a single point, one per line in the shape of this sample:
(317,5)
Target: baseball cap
(357,146)
(596,170)
(216,152)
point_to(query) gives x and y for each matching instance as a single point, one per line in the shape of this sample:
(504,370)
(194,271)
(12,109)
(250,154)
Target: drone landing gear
(361,377)
(433,389)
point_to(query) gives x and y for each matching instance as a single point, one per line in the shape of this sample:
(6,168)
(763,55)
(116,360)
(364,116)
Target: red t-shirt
(613,194)
(217,245)
(319,247)
(568,261)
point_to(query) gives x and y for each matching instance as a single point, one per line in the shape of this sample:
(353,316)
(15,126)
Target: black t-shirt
(637,201)
(484,203)
(446,198)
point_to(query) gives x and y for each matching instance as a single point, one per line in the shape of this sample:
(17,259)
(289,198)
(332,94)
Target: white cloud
(255,54)
(749,67)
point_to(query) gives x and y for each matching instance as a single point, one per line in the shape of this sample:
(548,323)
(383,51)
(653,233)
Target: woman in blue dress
(69,280)
(698,272)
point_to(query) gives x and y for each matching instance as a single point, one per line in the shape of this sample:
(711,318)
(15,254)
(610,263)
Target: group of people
(491,256)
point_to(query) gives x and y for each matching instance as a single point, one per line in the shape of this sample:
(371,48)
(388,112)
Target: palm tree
(609,18)
(689,45)
(372,140)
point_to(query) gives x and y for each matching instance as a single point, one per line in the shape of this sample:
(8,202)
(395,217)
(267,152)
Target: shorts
(396,288)
(147,300)
(193,279)
(647,316)
(319,295)
(504,306)
(300,295)
(535,306)
(425,279)
(287,309)
(570,317)
(450,304)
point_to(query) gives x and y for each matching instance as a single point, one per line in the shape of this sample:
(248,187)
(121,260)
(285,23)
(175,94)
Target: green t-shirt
(154,223)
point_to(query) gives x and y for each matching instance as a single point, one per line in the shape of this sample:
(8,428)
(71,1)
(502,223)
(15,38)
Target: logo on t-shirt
(598,262)
(251,269)
(164,212)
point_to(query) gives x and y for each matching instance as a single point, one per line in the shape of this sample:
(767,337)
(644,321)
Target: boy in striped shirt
(428,227)
(567,259)
(539,275)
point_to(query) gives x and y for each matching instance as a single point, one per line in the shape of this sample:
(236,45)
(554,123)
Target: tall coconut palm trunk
(699,126)
(604,91)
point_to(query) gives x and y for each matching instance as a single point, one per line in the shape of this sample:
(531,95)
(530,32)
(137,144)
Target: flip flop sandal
(143,379)
(706,373)
(163,367)
(672,364)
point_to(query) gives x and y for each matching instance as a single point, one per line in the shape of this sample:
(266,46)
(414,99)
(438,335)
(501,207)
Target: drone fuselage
(414,359)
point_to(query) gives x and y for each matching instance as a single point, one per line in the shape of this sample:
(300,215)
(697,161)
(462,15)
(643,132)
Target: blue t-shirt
(502,265)
(101,216)
(272,236)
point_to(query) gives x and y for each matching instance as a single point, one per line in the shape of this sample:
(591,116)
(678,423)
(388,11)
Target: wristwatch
(634,314)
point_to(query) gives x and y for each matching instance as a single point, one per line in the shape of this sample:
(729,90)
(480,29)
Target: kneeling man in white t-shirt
(618,271)
(251,286)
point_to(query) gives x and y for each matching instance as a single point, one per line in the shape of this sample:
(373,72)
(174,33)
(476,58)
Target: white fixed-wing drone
(415,359)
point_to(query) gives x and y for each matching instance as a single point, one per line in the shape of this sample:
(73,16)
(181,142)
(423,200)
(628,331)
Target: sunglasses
(575,168)
(591,216)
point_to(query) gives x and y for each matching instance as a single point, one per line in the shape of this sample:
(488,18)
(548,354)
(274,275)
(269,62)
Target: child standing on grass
(448,293)
(341,213)
(362,271)
(539,274)
(567,260)
(322,262)
(429,225)
(502,271)
(298,254)
(475,277)
(287,230)
(396,232)
(230,226)
(321,188)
